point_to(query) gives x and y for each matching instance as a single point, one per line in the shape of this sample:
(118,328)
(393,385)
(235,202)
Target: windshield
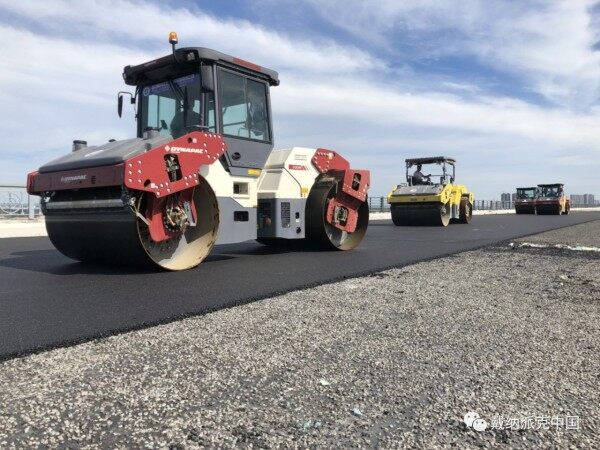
(429,174)
(526,193)
(550,191)
(172,106)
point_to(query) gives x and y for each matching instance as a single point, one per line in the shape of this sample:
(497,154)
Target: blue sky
(509,88)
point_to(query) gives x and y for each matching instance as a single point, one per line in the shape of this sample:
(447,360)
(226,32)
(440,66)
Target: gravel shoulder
(394,359)
(587,235)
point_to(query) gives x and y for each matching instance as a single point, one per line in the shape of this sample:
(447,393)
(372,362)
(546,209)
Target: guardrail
(492,205)
(380,204)
(15,203)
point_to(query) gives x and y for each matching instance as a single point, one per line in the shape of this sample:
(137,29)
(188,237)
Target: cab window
(172,106)
(243,104)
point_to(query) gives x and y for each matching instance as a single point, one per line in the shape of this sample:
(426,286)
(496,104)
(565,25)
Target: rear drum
(433,214)
(322,234)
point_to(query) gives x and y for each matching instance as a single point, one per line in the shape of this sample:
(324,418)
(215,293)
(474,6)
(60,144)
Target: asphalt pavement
(48,300)
(395,359)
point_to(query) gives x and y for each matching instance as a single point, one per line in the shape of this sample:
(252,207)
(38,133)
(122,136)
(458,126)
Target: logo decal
(73,178)
(296,167)
(185,150)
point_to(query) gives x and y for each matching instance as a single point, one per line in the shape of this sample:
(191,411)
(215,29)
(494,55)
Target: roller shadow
(54,263)
(252,248)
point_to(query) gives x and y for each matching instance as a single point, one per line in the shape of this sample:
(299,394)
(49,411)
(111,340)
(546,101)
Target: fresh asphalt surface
(48,300)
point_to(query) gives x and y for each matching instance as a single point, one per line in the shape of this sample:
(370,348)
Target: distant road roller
(525,200)
(552,199)
(431,199)
(200,172)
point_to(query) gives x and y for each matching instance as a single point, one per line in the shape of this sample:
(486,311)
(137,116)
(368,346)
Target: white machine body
(272,200)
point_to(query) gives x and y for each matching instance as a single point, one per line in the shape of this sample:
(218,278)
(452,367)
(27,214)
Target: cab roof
(530,187)
(430,160)
(187,57)
(551,185)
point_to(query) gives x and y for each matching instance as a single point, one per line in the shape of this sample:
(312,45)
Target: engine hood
(107,154)
(418,190)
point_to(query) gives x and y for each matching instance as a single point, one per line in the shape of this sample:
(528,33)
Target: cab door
(244,119)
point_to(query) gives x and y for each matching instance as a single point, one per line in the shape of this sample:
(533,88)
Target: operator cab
(527,193)
(197,89)
(441,175)
(551,190)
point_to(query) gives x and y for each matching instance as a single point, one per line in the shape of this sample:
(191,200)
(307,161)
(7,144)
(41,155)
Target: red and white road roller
(201,171)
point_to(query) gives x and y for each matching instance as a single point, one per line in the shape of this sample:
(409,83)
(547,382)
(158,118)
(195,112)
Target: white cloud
(55,90)
(148,24)
(59,82)
(548,45)
(377,103)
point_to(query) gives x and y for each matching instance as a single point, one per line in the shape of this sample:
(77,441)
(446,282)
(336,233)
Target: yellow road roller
(432,199)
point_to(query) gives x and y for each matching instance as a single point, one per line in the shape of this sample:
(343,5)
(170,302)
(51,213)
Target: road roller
(432,199)
(201,171)
(525,200)
(552,199)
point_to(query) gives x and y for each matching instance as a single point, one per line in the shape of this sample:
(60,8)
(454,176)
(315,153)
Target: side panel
(288,173)
(236,222)
(282,191)
(246,153)
(92,177)
(236,196)
(281,218)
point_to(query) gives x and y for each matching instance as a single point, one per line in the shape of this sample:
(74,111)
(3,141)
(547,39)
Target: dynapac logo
(73,178)
(184,149)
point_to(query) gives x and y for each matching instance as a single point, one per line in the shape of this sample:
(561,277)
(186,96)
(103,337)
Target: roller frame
(348,197)
(147,172)
(317,232)
(144,173)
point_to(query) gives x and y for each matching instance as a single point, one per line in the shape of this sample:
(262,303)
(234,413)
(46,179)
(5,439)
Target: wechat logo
(472,420)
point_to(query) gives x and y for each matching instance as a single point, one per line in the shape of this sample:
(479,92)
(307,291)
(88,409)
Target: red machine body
(162,171)
(146,172)
(355,184)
